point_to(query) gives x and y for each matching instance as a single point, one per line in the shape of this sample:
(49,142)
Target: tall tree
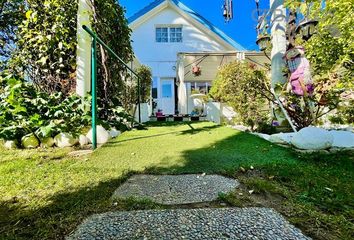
(11,15)
(112,26)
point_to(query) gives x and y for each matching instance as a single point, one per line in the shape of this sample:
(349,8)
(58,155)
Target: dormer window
(172,33)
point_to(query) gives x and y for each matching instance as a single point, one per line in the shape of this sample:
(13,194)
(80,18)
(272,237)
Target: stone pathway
(176,189)
(221,223)
(202,223)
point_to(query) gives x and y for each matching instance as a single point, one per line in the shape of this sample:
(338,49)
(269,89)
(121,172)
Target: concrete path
(205,223)
(221,223)
(176,189)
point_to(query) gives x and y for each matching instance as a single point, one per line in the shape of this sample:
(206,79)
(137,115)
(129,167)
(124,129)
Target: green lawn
(45,194)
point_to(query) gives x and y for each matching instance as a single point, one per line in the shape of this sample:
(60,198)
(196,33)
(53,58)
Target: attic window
(171,34)
(175,34)
(161,34)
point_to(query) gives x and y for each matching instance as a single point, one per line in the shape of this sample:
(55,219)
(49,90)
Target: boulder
(312,138)
(114,133)
(65,140)
(342,139)
(11,144)
(30,141)
(281,138)
(241,128)
(83,140)
(47,142)
(102,135)
(262,135)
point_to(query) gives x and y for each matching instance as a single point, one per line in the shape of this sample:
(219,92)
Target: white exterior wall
(83,55)
(162,57)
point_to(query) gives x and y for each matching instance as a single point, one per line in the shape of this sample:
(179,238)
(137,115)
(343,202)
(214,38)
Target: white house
(171,39)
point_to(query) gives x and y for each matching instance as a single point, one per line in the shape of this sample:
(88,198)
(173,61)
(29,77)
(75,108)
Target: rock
(262,135)
(349,129)
(312,151)
(312,138)
(47,142)
(282,138)
(65,140)
(114,133)
(30,141)
(102,135)
(342,139)
(241,128)
(11,144)
(83,140)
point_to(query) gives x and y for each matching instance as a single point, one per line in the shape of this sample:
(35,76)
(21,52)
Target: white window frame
(175,36)
(161,32)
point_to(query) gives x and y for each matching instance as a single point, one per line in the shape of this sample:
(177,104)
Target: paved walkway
(222,223)
(176,189)
(206,223)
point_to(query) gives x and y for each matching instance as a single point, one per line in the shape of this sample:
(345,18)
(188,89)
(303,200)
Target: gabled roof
(207,24)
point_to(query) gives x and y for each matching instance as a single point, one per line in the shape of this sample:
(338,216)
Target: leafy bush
(110,24)
(237,84)
(266,128)
(46,46)
(24,110)
(129,96)
(145,75)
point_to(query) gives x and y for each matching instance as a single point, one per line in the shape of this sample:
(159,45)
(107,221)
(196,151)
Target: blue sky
(241,28)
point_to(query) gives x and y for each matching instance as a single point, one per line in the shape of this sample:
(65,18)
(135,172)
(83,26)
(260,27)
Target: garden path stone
(220,223)
(176,189)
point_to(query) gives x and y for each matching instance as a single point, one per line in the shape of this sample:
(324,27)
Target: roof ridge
(196,16)
(144,10)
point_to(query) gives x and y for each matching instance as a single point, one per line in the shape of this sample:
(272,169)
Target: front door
(167,100)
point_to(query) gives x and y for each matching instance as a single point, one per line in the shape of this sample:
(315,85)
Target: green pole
(139,100)
(93,91)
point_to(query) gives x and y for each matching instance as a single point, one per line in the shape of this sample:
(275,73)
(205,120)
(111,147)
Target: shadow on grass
(62,215)
(306,178)
(192,130)
(227,155)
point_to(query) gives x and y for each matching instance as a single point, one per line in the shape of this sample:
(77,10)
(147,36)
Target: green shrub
(239,84)
(25,110)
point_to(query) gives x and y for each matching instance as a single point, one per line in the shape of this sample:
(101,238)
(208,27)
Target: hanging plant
(196,70)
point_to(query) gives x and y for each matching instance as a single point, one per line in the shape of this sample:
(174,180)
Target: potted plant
(196,70)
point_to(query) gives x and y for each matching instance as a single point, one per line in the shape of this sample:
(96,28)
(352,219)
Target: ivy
(46,46)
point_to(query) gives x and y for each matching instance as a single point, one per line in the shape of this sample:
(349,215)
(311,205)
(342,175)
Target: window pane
(201,87)
(161,35)
(175,34)
(166,91)
(154,93)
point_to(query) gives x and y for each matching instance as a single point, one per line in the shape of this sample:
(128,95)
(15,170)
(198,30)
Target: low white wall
(145,113)
(213,110)
(218,112)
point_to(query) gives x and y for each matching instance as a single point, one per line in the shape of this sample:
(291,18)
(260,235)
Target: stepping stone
(222,223)
(176,189)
